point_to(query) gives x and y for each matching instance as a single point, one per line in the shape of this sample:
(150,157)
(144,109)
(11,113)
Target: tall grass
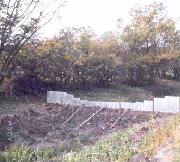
(24,153)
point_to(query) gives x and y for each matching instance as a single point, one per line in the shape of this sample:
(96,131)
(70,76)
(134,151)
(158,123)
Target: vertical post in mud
(179,104)
(153,108)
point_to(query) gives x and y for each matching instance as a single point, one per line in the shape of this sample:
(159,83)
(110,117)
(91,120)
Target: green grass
(124,93)
(120,93)
(10,104)
(23,153)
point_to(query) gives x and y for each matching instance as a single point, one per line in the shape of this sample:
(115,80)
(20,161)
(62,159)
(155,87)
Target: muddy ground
(41,126)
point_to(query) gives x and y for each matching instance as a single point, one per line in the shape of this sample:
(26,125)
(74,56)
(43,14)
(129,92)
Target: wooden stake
(89,118)
(72,116)
(119,118)
(153,108)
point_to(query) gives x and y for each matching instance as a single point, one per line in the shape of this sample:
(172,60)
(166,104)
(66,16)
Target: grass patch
(12,103)
(120,92)
(23,153)
(114,94)
(118,146)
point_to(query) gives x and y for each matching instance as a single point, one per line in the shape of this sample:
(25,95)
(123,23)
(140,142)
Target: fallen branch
(72,116)
(89,118)
(119,118)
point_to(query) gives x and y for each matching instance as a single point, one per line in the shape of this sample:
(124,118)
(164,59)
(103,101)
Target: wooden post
(89,118)
(120,117)
(179,104)
(153,108)
(72,116)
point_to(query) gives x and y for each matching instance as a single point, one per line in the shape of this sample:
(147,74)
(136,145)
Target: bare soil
(41,126)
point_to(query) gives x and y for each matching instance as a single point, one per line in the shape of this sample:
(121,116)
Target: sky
(100,15)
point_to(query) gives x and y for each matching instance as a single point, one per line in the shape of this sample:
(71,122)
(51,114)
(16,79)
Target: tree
(19,22)
(150,34)
(151,31)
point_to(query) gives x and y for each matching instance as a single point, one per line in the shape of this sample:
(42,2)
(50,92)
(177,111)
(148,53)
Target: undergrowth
(117,147)
(123,146)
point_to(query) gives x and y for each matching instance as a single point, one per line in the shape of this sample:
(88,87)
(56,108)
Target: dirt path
(167,152)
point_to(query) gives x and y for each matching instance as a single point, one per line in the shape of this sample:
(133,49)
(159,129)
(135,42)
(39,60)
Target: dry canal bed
(68,127)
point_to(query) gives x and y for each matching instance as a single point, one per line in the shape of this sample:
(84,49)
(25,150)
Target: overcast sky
(101,15)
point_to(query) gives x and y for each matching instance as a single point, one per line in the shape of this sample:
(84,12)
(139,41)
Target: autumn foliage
(145,49)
